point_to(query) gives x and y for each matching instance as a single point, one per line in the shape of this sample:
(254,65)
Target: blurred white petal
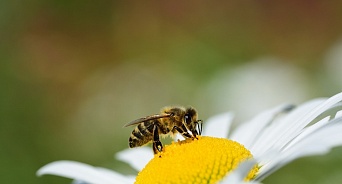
(254,87)
(136,157)
(218,126)
(83,172)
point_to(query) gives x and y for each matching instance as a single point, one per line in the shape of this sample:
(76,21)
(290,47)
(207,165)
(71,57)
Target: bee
(170,121)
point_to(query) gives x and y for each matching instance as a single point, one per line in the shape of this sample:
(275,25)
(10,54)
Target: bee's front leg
(184,133)
(157,145)
(199,124)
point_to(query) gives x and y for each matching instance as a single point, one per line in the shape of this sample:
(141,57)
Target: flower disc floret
(202,160)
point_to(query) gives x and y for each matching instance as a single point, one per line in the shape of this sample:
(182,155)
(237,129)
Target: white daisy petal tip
(68,169)
(54,167)
(82,172)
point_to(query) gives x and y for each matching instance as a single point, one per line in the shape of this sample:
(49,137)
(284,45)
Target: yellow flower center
(202,160)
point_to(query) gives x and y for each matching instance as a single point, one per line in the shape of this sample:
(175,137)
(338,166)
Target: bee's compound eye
(187,118)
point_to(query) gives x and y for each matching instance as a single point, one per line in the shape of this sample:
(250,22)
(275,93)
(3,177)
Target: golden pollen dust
(202,160)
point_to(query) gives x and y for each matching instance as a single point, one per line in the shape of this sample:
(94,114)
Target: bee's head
(190,120)
(190,116)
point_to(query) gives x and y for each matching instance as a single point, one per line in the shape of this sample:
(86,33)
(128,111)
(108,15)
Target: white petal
(296,128)
(246,133)
(316,143)
(237,176)
(82,172)
(136,157)
(289,125)
(339,114)
(218,126)
(178,137)
(307,131)
(110,173)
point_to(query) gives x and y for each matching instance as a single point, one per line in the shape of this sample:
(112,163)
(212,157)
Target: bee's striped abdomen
(142,134)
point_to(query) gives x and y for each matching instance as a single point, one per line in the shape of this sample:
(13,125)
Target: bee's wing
(137,121)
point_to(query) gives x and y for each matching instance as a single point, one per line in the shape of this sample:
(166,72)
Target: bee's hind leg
(157,145)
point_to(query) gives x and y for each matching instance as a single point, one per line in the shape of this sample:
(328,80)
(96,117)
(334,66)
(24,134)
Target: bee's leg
(199,126)
(185,134)
(194,132)
(157,145)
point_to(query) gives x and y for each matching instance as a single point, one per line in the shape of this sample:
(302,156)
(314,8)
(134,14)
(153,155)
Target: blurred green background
(74,72)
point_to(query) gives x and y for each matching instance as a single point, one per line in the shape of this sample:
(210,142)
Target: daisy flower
(249,153)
